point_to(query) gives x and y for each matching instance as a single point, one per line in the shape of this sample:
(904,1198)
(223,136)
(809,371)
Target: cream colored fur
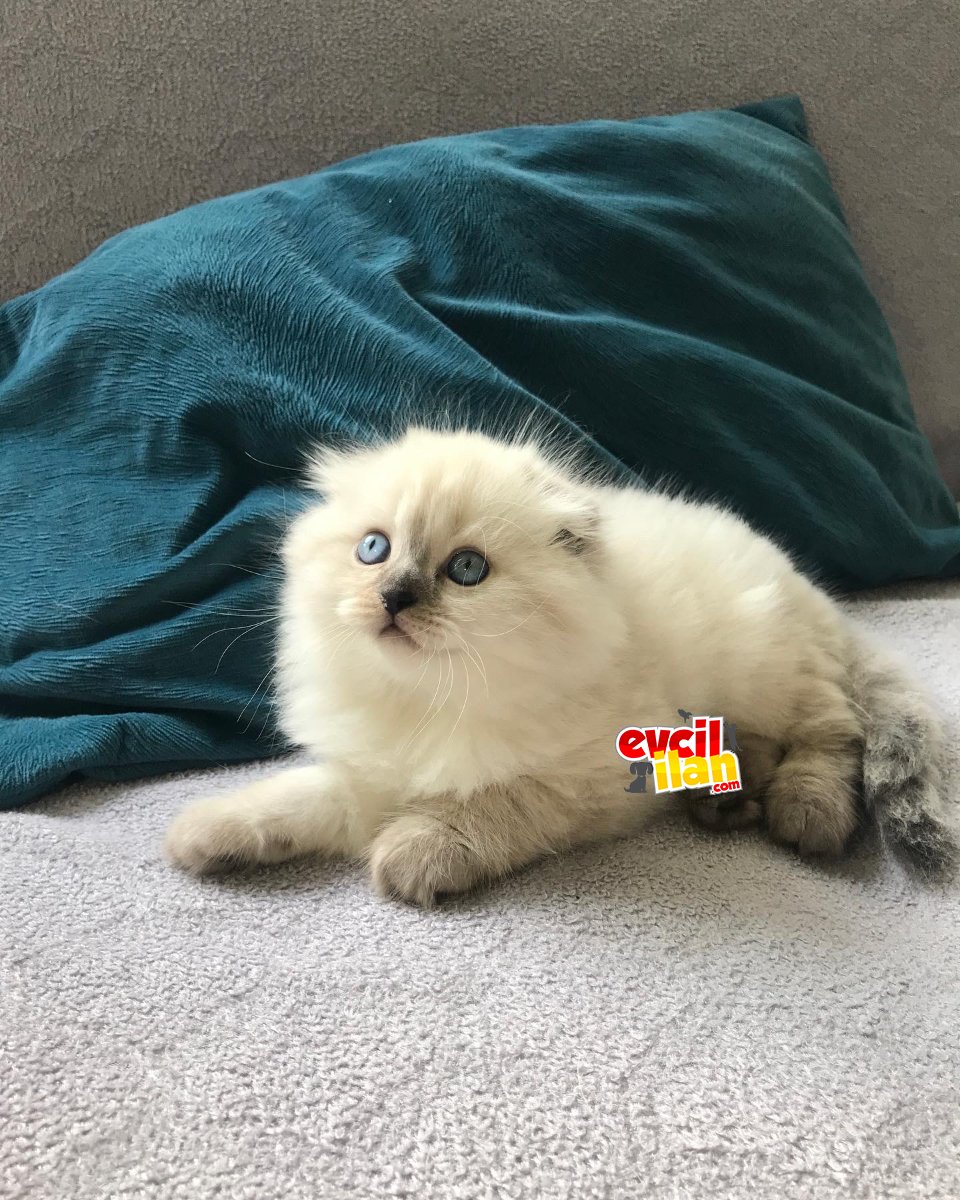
(485,736)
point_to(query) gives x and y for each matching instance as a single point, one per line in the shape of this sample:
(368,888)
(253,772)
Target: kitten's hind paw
(216,835)
(811,803)
(811,828)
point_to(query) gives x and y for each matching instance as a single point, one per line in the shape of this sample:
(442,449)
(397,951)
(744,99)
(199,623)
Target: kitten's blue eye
(467,567)
(374,548)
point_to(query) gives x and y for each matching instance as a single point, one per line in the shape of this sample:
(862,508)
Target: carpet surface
(678,1015)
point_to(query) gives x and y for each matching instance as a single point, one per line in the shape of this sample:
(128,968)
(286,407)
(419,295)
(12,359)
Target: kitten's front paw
(811,825)
(216,834)
(419,859)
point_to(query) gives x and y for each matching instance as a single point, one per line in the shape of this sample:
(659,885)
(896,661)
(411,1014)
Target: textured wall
(112,114)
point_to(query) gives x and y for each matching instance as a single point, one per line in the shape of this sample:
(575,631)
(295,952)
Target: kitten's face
(444,543)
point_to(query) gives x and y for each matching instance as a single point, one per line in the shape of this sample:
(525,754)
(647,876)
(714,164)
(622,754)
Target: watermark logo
(676,757)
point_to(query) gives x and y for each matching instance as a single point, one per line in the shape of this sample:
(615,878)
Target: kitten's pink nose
(397,599)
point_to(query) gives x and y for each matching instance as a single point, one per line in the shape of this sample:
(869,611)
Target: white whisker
(250,629)
(513,627)
(466,697)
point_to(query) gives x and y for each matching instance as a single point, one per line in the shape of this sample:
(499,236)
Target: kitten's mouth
(391,632)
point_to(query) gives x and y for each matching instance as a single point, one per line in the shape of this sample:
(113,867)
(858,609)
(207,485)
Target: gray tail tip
(925,845)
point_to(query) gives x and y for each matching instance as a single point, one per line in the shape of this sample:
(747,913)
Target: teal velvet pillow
(682,289)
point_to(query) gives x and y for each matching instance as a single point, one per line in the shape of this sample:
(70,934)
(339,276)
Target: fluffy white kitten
(467,623)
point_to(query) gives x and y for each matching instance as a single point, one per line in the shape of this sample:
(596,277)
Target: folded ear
(579,526)
(572,506)
(576,543)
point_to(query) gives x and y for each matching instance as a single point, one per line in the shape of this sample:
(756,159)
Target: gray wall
(115,111)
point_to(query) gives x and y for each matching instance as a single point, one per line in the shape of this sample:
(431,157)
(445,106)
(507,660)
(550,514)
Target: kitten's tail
(903,786)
